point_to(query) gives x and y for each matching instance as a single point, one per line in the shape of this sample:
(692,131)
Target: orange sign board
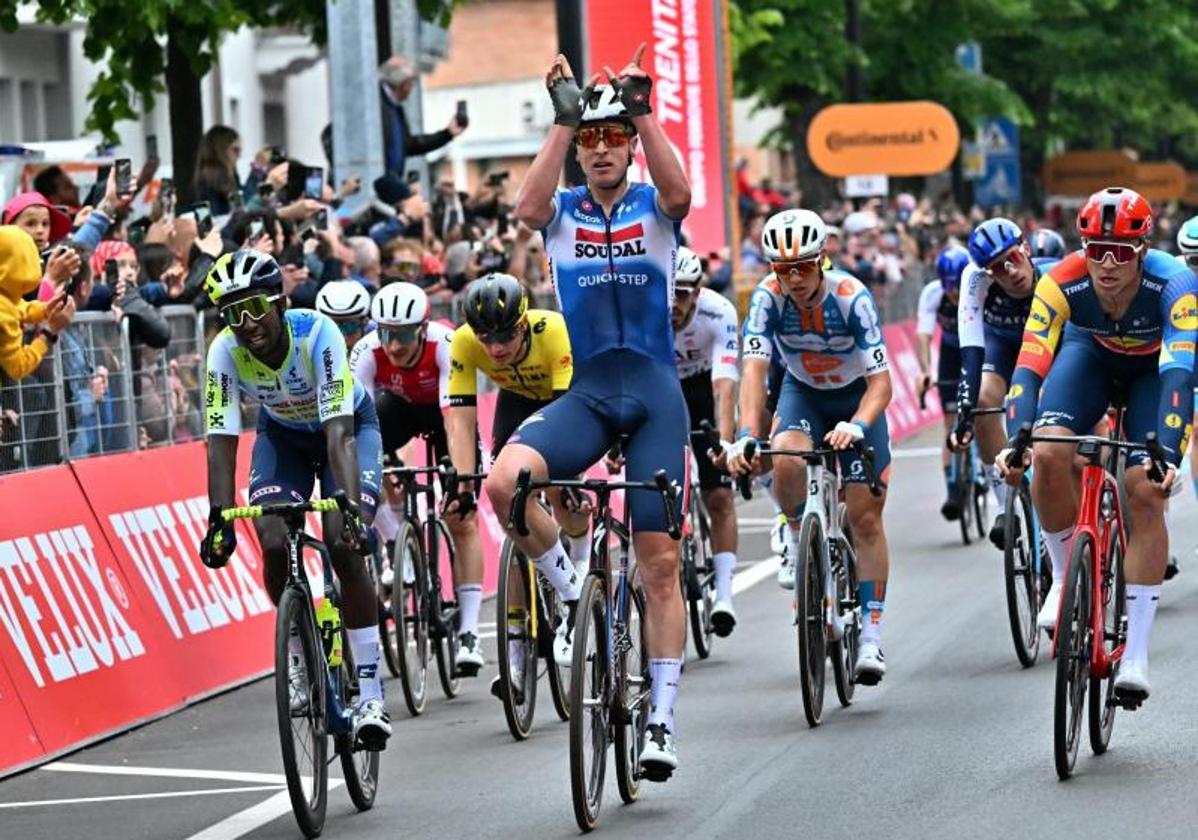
(1160,181)
(1082,173)
(883,138)
(1191,194)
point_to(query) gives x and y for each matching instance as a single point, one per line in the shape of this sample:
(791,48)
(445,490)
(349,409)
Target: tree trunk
(818,190)
(187,112)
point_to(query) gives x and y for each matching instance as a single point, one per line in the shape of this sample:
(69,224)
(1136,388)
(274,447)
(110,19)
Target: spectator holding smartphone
(216,176)
(397,77)
(20,273)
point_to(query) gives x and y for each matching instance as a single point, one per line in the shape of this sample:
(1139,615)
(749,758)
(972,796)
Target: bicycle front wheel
(515,640)
(559,677)
(359,768)
(1073,656)
(300,705)
(632,696)
(409,603)
(590,698)
(809,617)
(1102,709)
(963,469)
(697,604)
(844,651)
(1021,568)
(446,642)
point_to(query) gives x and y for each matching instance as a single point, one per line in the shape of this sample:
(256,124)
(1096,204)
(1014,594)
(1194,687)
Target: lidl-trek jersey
(614,277)
(709,341)
(312,385)
(1161,321)
(545,367)
(828,346)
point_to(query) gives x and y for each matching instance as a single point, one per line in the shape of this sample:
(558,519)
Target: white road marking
(755,574)
(170,794)
(166,772)
(255,816)
(916,452)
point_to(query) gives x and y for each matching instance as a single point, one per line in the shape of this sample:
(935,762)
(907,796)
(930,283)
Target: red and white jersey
(424,383)
(709,341)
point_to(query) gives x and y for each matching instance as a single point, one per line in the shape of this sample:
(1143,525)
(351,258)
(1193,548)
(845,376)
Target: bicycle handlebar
(525,484)
(711,437)
(1158,466)
(338,502)
(823,452)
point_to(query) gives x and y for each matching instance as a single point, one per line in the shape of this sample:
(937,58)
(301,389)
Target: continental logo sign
(883,138)
(1163,181)
(1082,173)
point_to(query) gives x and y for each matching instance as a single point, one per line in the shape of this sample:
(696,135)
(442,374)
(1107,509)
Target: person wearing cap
(20,273)
(397,78)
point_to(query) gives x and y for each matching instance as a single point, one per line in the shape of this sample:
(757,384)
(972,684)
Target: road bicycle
(314,691)
(1092,622)
(827,609)
(609,678)
(965,476)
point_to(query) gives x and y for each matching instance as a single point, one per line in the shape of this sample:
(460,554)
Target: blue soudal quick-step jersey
(827,346)
(614,277)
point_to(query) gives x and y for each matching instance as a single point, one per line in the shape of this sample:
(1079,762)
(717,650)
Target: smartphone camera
(314,183)
(124,176)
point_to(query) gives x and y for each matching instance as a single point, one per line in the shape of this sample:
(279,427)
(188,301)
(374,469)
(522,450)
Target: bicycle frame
(823,499)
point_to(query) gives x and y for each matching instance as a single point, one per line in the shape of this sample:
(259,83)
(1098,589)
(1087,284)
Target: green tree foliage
(1072,73)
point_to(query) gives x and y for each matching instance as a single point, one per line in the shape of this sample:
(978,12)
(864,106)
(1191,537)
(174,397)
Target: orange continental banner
(1082,173)
(1160,181)
(883,138)
(1191,195)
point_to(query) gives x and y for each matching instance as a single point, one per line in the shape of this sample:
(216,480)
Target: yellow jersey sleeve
(463,367)
(557,348)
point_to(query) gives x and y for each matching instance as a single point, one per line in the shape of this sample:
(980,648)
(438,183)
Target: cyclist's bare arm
(343,455)
(875,399)
(534,202)
(461,421)
(753,413)
(222,468)
(725,407)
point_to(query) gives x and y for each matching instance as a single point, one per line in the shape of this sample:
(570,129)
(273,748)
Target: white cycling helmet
(605,106)
(343,300)
(400,305)
(1187,237)
(792,235)
(688,269)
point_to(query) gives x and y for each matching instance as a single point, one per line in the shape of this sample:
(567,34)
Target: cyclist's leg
(1073,398)
(948,373)
(280,471)
(715,485)
(766,480)
(798,425)
(999,364)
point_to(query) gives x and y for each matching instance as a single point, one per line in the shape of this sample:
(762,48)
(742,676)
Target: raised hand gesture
(633,85)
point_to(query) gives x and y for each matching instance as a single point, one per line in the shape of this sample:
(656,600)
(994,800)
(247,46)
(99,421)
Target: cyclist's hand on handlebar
(923,383)
(461,506)
(844,435)
(353,530)
(734,454)
(1166,482)
(1012,473)
(219,541)
(961,441)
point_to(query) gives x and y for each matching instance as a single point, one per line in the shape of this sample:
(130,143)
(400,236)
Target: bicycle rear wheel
(360,769)
(843,652)
(1102,691)
(809,617)
(300,706)
(590,702)
(1021,568)
(390,629)
(697,605)
(1073,656)
(446,643)
(409,602)
(963,469)
(559,677)
(632,699)
(518,687)
(981,497)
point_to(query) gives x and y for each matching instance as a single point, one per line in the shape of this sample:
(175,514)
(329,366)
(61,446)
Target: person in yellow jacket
(20,274)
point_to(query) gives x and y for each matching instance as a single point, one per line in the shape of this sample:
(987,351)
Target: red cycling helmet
(1114,213)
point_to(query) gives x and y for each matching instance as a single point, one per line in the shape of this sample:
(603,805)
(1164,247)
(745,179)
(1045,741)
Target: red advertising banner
(19,744)
(904,415)
(687,78)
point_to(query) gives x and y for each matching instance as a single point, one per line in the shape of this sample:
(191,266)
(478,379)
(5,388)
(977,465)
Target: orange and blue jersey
(1160,321)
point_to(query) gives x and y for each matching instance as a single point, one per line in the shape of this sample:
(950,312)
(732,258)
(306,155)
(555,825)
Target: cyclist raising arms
(315,421)
(994,307)
(705,348)
(835,391)
(404,366)
(612,246)
(938,306)
(1117,314)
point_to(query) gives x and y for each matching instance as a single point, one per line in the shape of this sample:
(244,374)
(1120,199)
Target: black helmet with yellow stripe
(495,303)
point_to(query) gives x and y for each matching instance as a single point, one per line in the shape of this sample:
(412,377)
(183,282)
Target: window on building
(57,100)
(274,124)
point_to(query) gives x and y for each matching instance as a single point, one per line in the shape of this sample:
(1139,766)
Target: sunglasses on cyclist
(1121,252)
(1192,261)
(500,336)
(255,308)
(613,135)
(351,327)
(404,335)
(1005,267)
(684,292)
(785,269)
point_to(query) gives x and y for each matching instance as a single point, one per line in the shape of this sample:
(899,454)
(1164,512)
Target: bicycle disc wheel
(518,687)
(590,698)
(1073,656)
(963,469)
(360,769)
(409,601)
(844,651)
(1102,709)
(1021,568)
(559,677)
(632,695)
(809,618)
(300,706)
(447,643)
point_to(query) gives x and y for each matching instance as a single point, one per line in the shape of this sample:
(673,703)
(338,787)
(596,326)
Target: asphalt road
(957,741)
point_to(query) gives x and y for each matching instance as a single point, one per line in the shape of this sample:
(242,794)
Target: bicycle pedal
(654,772)
(867,678)
(1128,700)
(467,670)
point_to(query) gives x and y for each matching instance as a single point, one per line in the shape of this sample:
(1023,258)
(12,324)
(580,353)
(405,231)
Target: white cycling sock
(1141,612)
(1057,543)
(767,483)
(560,572)
(580,552)
(470,601)
(725,565)
(664,675)
(997,484)
(364,645)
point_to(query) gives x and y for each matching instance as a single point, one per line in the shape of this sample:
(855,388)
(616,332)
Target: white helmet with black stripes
(400,305)
(343,300)
(792,235)
(688,268)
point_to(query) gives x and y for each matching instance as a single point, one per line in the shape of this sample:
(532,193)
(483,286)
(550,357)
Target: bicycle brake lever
(516,521)
(668,495)
(744,483)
